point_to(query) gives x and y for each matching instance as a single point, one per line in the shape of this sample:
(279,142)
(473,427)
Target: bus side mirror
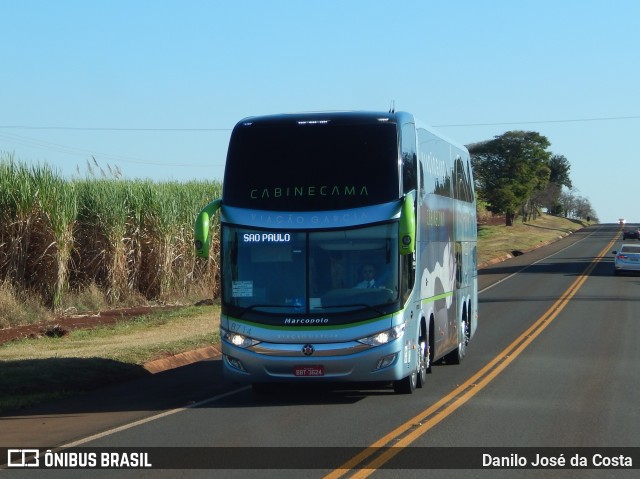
(407,231)
(201,229)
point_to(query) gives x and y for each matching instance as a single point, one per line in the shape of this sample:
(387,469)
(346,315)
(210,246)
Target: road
(554,364)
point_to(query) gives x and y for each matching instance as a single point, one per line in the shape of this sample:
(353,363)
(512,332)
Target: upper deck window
(311,165)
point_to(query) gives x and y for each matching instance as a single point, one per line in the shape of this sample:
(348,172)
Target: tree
(575,206)
(509,169)
(559,178)
(559,166)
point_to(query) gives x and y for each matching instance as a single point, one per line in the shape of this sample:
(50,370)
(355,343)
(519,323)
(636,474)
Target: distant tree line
(517,175)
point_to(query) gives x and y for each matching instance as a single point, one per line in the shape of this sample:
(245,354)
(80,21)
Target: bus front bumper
(342,362)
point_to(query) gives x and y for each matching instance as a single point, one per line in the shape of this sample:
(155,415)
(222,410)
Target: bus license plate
(308,371)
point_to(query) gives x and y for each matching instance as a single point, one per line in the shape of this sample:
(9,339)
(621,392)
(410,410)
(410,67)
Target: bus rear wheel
(457,355)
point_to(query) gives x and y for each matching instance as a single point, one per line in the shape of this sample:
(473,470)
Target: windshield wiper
(355,305)
(359,306)
(255,306)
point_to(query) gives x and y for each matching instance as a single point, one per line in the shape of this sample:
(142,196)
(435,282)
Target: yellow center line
(385,448)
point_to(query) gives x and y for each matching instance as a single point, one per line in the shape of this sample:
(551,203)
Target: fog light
(234,363)
(386,361)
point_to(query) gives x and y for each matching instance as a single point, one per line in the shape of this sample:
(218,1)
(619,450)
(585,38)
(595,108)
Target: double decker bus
(348,250)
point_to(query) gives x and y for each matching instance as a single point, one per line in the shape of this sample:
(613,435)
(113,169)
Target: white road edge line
(536,262)
(151,418)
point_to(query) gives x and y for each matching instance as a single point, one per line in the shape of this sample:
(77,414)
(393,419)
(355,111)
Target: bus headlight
(238,339)
(384,337)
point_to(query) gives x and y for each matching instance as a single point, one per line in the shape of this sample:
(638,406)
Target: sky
(151,89)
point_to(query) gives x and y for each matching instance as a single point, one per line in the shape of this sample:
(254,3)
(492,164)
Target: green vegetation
(498,241)
(117,241)
(515,174)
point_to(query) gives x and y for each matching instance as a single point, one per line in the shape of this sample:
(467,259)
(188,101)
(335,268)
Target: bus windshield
(299,272)
(311,167)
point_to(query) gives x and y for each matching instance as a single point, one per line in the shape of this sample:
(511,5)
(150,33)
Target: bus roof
(336,117)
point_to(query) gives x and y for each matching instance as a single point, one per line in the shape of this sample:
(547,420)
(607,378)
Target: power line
(542,121)
(83,128)
(46,145)
(77,151)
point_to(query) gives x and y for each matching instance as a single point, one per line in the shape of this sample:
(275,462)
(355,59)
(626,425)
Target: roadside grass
(34,371)
(497,241)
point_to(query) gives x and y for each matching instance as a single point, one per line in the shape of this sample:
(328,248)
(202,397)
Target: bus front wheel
(406,385)
(424,366)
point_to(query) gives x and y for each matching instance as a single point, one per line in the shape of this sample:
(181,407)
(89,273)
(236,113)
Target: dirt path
(64,324)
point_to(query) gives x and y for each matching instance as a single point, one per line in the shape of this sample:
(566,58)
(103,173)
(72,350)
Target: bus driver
(369,278)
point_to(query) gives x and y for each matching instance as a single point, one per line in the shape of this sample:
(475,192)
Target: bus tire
(426,358)
(457,355)
(406,385)
(423,360)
